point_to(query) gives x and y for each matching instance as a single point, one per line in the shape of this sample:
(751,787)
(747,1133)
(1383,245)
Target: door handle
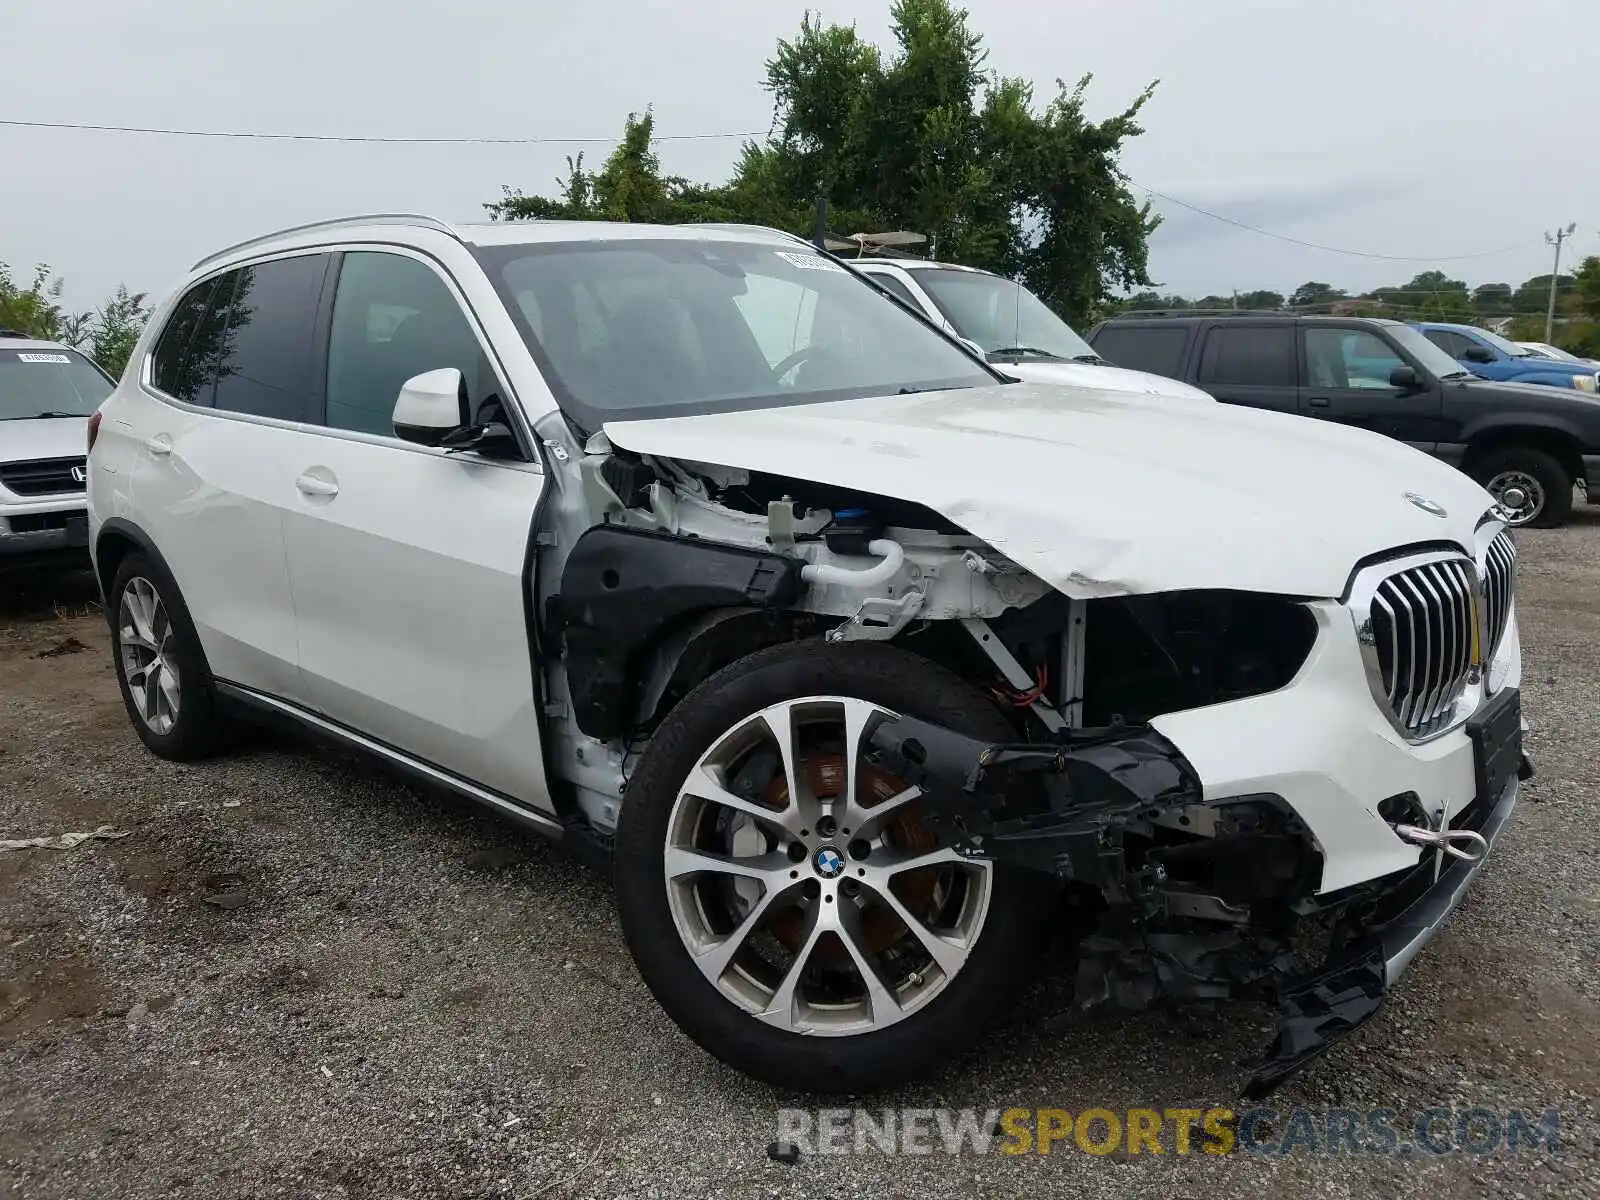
(160,445)
(315,485)
(1319,402)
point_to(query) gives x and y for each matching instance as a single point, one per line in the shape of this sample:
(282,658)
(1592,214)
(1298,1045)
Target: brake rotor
(906,832)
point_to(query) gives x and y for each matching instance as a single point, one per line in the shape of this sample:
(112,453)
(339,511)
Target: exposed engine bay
(661,572)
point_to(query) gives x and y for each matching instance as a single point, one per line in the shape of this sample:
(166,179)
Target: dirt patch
(45,983)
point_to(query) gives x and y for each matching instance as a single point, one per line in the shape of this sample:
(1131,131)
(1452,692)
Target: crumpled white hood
(1100,492)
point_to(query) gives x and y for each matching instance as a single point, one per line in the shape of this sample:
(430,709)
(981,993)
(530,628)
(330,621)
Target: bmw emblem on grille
(828,862)
(1426,505)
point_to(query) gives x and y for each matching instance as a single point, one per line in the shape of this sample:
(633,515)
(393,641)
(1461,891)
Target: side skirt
(271,706)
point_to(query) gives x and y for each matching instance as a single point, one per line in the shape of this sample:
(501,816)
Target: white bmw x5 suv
(853,659)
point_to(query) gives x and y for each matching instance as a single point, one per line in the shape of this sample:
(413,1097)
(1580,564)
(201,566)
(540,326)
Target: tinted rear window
(1248,355)
(263,360)
(1144,348)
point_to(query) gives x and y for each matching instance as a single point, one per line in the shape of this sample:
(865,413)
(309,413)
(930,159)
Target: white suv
(688,547)
(1011,326)
(47,394)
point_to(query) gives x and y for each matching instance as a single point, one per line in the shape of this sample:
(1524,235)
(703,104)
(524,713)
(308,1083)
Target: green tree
(917,137)
(922,138)
(1430,296)
(1314,296)
(1146,301)
(1533,295)
(35,309)
(628,187)
(1492,300)
(108,334)
(115,328)
(1260,299)
(1587,285)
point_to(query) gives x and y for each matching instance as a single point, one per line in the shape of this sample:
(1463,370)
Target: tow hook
(1464,844)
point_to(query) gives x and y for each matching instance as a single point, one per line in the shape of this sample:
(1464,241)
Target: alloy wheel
(803,881)
(144,638)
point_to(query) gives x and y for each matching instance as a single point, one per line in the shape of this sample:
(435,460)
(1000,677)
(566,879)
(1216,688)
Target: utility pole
(1555,240)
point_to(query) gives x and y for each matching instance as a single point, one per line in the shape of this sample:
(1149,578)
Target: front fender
(1548,424)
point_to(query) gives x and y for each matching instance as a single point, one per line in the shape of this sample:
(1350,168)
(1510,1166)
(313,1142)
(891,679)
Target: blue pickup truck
(1493,357)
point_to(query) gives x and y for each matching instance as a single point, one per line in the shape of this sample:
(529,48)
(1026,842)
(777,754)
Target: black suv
(1528,445)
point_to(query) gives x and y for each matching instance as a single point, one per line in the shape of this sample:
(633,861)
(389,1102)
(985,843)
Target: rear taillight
(94,432)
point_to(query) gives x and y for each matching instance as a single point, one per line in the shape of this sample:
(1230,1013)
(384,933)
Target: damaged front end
(1195,899)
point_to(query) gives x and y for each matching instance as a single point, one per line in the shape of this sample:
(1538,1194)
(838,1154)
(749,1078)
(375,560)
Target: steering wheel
(794,360)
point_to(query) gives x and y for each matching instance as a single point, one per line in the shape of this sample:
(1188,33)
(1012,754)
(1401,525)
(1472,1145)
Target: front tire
(802,930)
(161,669)
(1539,476)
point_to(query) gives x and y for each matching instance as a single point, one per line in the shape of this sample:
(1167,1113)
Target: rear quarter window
(1159,350)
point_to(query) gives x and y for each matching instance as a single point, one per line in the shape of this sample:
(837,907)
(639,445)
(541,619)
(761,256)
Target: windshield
(1000,314)
(40,383)
(1541,350)
(665,327)
(1429,357)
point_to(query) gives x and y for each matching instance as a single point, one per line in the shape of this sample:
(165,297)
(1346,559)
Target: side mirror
(1404,378)
(431,405)
(1477,354)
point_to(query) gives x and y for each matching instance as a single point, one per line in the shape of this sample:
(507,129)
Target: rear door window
(1157,349)
(264,322)
(1248,356)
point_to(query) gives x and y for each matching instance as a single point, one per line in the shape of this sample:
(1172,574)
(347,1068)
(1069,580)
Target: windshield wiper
(1458,375)
(1092,359)
(47,414)
(1020,350)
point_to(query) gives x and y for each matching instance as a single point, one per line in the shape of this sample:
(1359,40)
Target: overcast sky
(1427,128)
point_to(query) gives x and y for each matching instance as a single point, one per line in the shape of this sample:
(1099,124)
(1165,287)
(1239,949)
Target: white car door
(407,563)
(208,469)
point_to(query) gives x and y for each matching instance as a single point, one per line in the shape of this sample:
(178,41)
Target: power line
(400,141)
(254,135)
(1283,237)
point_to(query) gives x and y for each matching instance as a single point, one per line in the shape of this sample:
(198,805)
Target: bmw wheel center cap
(828,863)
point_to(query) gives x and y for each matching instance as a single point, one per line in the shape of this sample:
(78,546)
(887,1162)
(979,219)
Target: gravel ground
(299,977)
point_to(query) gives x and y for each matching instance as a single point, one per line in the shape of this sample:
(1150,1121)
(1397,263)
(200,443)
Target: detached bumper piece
(1200,900)
(1058,808)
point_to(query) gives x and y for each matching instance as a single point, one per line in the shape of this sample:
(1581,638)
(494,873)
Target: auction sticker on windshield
(809,262)
(42,358)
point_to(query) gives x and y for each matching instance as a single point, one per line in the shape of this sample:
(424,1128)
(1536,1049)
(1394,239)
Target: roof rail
(1205,312)
(748,227)
(433,223)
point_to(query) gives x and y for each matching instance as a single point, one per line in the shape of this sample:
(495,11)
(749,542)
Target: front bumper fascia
(46,532)
(1320,1008)
(1093,785)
